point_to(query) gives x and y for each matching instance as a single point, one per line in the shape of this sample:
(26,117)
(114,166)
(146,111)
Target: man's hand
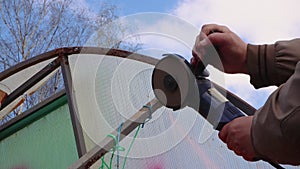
(229,48)
(237,136)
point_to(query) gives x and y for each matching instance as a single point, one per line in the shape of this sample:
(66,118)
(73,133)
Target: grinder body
(177,84)
(214,106)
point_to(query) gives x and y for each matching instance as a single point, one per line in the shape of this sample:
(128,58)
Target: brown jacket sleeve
(272,64)
(276,126)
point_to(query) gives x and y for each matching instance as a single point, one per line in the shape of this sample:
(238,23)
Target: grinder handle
(214,106)
(230,113)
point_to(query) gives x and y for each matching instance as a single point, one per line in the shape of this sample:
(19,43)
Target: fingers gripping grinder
(177,84)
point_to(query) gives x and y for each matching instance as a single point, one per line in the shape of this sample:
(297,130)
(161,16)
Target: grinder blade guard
(177,84)
(174,84)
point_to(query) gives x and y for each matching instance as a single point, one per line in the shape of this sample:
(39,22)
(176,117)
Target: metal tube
(80,144)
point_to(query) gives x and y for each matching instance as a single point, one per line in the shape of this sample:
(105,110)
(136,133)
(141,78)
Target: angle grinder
(177,84)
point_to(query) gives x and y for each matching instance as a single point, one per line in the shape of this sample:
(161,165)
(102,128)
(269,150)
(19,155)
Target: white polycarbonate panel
(20,99)
(108,90)
(14,81)
(11,106)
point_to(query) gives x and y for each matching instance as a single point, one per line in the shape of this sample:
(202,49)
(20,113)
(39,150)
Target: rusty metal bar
(78,133)
(108,143)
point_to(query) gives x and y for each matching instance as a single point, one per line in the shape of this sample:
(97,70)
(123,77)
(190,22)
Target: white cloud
(239,84)
(256,21)
(162,33)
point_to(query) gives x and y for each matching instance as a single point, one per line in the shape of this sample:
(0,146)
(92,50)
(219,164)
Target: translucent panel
(24,74)
(83,70)
(14,81)
(13,105)
(108,90)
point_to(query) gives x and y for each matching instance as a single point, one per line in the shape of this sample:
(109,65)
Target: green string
(118,152)
(111,159)
(104,164)
(120,148)
(117,147)
(130,146)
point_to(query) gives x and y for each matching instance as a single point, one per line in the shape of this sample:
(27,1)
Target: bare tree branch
(32,27)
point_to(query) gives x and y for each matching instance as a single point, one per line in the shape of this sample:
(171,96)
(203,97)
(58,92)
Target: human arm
(272,64)
(276,126)
(267,65)
(273,132)
(277,121)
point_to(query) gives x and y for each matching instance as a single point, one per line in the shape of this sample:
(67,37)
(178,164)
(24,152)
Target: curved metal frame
(71,51)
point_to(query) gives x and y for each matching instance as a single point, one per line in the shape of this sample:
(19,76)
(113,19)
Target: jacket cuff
(261,64)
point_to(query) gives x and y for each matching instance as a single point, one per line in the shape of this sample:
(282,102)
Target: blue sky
(127,7)
(135,6)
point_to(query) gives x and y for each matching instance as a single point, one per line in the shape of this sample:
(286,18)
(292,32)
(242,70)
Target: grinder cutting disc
(173,82)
